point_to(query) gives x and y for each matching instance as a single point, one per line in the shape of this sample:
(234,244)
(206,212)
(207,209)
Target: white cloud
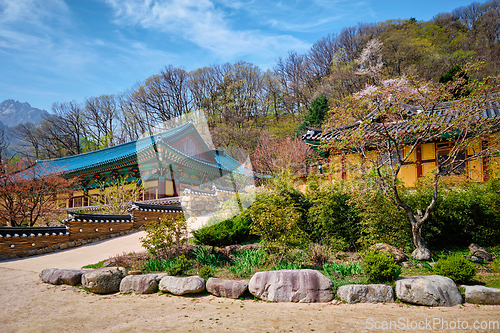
(203,23)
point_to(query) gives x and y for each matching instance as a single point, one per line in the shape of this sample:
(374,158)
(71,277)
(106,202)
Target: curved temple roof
(114,155)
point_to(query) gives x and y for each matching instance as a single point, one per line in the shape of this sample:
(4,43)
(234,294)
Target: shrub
(318,253)
(180,266)
(379,267)
(381,221)
(206,272)
(456,267)
(279,218)
(162,234)
(228,232)
(335,218)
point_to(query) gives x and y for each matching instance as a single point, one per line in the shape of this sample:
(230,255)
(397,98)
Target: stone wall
(78,233)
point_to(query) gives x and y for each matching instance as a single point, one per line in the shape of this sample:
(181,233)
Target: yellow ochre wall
(350,167)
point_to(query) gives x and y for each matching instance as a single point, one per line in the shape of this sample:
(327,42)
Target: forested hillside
(244,103)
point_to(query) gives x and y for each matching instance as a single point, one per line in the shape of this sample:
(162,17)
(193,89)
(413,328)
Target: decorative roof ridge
(13,232)
(143,206)
(75,215)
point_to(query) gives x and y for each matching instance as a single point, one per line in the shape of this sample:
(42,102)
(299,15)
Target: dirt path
(77,257)
(28,305)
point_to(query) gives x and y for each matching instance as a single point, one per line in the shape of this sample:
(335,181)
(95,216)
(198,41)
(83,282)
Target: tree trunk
(418,241)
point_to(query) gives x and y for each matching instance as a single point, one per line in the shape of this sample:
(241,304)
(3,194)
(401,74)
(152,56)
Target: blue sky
(59,51)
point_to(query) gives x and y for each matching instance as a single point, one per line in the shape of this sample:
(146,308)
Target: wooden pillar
(485,162)
(419,161)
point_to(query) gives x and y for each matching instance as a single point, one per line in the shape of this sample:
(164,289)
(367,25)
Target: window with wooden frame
(150,193)
(442,153)
(77,201)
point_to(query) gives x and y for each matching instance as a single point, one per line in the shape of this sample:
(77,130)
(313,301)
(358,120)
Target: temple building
(424,159)
(165,163)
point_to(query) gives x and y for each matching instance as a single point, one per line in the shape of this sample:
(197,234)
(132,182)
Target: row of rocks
(431,290)
(305,286)
(64,246)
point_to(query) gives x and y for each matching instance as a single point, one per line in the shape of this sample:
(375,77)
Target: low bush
(235,230)
(164,234)
(379,267)
(334,217)
(206,272)
(280,219)
(318,254)
(180,266)
(456,267)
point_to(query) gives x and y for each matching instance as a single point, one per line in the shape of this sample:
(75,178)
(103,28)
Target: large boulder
(226,288)
(366,293)
(104,280)
(140,284)
(478,251)
(432,290)
(62,276)
(421,254)
(397,254)
(482,295)
(303,285)
(182,285)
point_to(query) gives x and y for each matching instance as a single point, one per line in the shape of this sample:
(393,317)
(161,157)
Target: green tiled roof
(127,151)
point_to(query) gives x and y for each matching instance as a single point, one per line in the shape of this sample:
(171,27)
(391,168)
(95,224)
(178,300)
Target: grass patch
(342,270)
(246,262)
(286,265)
(158,265)
(96,265)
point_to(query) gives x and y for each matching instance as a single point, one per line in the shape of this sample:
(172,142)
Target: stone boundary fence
(79,229)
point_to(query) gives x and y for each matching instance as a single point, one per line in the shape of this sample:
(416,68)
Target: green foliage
(162,234)
(467,213)
(206,256)
(235,230)
(96,265)
(315,115)
(180,266)
(381,221)
(455,267)
(335,218)
(158,265)
(115,196)
(280,217)
(206,272)
(379,267)
(342,270)
(286,265)
(247,261)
